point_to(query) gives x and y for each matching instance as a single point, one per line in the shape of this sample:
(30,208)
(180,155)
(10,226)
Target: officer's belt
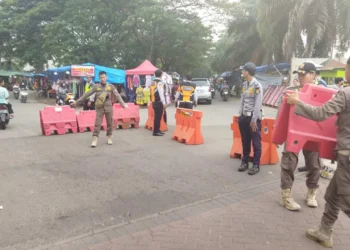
(247,113)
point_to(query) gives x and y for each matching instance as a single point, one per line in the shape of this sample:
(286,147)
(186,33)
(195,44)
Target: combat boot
(322,235)
(288,201)
(311,198)
(109,140)
(94,142)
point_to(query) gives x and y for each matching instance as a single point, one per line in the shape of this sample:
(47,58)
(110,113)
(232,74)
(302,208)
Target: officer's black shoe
(303,169)
(163,133)
(244,166)
(254,170)
(158,134)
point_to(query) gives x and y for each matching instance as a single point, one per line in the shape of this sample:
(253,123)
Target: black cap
(305,68)
(250,67)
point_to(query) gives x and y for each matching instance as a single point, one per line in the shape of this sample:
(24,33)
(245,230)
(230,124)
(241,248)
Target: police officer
(158,101)
(250,118)
(104,106)
(186,95)
(306,74)
(338,192)
(90,103)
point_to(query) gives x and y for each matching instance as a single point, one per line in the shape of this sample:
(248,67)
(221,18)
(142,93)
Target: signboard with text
(82,70)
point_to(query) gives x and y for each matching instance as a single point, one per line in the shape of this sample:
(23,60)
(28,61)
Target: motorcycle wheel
(24,100)
(3,126)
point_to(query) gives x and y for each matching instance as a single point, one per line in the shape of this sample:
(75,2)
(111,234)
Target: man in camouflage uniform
(103,105)
(306,73)
(338,192)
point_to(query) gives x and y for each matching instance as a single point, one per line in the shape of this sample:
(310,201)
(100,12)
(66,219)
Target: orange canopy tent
(145,68)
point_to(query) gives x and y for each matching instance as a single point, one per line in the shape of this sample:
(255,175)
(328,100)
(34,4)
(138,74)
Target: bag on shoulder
(101,99)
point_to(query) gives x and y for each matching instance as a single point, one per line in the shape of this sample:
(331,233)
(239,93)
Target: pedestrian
(158,101)
(90,103)
(186,95)
(306,74)
(250,115)
(104,106)
(338,192)
(338,83)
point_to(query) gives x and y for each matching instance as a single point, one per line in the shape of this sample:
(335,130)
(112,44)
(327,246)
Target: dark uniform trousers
(338,193)
(92,107)
(248,136)
(165,116)
(289,163)
(158,113)
(186,105)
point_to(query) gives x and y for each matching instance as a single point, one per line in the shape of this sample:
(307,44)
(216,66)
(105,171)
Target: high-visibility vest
(187,92)
(154,92)
(88,86)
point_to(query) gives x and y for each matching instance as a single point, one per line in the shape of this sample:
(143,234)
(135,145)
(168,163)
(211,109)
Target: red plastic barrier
(301,133)
(58,120)
(86,121)
(126,118)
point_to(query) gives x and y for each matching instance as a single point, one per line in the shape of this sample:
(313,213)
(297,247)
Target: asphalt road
(56,187)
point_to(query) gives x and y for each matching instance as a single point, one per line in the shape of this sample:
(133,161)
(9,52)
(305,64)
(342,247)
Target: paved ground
(54,188)
(250,219)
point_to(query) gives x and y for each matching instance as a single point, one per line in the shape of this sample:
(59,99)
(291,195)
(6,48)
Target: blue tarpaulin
(116,76)
(279,66)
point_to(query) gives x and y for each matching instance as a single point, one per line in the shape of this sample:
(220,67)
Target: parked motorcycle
(16,92)
(4,116)
(65,99)
(23,95)
(69,98)
(225,94)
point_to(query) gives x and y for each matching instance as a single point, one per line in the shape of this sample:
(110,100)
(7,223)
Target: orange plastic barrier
(86,121)
(150,120)
(126,118)
(58,120)
(300,133)
(269,154)
(188,127)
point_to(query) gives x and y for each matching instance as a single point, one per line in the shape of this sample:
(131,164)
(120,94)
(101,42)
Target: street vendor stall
(140,76)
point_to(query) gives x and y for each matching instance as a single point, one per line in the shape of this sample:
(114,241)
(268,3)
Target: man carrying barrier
(338,192)
(103,105)
(306,74)
(186,95)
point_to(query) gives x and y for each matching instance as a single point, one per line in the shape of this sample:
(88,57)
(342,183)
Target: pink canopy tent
(145,68)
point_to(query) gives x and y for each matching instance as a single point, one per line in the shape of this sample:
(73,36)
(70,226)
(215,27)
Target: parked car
(203,89)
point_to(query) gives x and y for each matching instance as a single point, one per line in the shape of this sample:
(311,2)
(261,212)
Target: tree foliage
(119,33)
(266,31)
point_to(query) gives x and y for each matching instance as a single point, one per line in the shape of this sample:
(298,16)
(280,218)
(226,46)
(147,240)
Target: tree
(22,23)
(281,26)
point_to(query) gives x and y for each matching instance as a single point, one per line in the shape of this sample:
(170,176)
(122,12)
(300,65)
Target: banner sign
(82,70)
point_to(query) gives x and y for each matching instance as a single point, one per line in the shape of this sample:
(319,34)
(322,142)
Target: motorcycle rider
(186,94)
(4,95)
(223,85)
(61,92)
